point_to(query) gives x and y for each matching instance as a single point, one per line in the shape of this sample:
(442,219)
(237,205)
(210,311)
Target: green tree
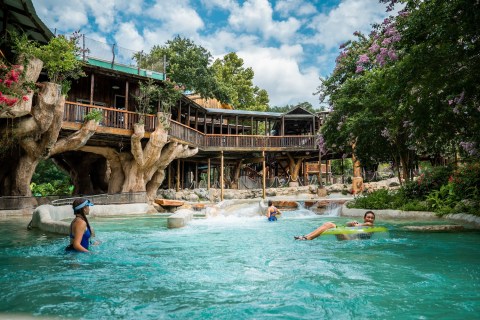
(411,87)
(188,65)
(305,105)
(49,179)
(237,82)
(60,58)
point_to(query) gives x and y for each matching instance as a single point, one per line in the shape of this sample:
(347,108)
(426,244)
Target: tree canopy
(190,65)
(237,82)
(411,87)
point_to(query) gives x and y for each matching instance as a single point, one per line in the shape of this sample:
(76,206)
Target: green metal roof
(125,69)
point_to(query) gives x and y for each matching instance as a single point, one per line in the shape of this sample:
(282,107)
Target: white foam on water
(333,210)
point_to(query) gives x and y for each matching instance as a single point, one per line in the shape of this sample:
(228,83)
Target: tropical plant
(94,114)
(60,58)
(154,97)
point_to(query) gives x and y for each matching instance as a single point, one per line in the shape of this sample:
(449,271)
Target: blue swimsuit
(85,239)
(273,215)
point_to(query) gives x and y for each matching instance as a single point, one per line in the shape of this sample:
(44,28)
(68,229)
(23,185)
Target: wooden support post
(196,119)
(126,95)
(221,176)
(92,86)
(169,176)
(182,185)
(264,193)
(205,123)
(178,175)
(196,175)
(179,113)
(327,173)
(208,174)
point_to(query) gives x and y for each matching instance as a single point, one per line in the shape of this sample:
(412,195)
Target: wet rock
(435,228)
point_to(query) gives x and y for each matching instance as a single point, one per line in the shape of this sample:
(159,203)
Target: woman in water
(368,221)
(80,230)
(272,211)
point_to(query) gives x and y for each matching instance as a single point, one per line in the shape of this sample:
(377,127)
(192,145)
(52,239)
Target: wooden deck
(120,123)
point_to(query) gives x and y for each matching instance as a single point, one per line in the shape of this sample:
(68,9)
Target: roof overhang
(20,15)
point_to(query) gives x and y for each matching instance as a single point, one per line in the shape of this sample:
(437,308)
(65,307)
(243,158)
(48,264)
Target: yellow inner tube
(355,230)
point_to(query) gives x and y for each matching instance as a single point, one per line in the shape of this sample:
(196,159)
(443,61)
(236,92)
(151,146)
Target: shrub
(379,199)
(427,182)
(94,114)
(466,181)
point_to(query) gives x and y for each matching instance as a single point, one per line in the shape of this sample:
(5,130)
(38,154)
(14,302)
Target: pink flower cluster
(9,76)
(382,48)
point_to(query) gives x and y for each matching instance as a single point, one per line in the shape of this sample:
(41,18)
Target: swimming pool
(238,267)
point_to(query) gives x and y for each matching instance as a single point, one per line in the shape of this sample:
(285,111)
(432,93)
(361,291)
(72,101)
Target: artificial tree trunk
(37,137)
(172,151)
(142,169)
(32,133)
(142,160)
(294,166)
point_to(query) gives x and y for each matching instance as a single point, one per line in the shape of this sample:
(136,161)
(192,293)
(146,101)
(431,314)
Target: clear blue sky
(288,43)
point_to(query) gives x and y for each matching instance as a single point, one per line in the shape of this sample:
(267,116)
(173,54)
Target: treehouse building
(237,138)
(219,146)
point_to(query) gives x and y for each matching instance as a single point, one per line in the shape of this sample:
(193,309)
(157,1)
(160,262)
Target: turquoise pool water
(238,267)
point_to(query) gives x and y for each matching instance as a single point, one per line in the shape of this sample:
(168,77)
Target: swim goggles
(84,204)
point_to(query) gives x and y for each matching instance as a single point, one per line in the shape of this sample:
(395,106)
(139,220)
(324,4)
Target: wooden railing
(122,119)
(112,118)
(185,133)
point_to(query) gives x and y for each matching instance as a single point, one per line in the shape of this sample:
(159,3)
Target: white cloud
(339,24)
(129,7)
(294,7)
(179,18)
(256,16)
(251,25)
(128,37)
(277,71)
(64,16)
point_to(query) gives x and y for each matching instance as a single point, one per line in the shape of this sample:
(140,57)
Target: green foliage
(237,82)
(305,105)
(442,199)
(59,58)
(56,188)
(341,167)
(94,114)
(466,181)
(188,66)
(432,179)
(151,94)
(439,190)
(375,200)
(24,48)
(48,179)
(410,88)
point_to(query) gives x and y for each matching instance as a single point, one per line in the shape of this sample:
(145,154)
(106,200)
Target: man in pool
(272,211)
(368,221)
